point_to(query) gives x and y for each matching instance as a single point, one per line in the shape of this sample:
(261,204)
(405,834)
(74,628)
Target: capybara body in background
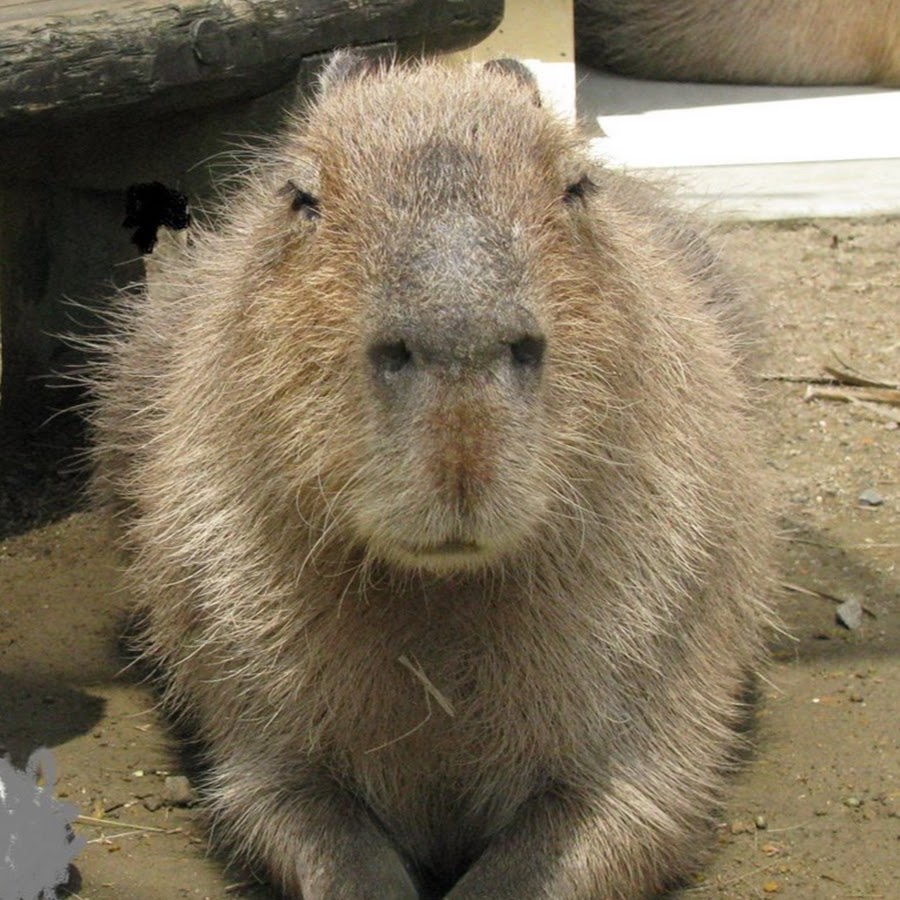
(756,41)
(441,491)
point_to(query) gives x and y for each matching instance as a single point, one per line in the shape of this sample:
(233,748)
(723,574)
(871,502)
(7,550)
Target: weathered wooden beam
(65,60)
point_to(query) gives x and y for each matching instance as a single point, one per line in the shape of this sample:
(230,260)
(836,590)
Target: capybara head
(427,240)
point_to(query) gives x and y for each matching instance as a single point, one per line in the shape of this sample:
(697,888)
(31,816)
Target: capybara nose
(408,355)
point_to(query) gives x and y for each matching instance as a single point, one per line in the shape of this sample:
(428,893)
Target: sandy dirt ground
(814,815)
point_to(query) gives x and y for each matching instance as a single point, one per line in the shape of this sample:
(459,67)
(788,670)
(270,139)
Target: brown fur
(478,616)
(754,41)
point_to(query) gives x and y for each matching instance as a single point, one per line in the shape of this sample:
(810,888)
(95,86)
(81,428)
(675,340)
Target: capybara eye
(390,358)
(578,190)
(303,202)
(528,351)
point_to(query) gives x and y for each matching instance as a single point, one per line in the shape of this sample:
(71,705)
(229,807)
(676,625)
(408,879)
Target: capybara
(438,474)
(754,41)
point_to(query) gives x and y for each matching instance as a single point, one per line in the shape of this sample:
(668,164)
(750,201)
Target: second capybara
(751,41)
(438,472)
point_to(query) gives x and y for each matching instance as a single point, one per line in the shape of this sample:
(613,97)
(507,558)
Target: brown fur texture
(752,41)
(437,471)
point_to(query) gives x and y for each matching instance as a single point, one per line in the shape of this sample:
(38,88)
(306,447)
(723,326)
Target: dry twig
(854,395)
(822,595)
(842,376)
(94,820)
(798,379)
(718,886)
(428,684)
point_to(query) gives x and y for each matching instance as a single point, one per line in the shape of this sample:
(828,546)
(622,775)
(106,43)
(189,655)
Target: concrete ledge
(749,151)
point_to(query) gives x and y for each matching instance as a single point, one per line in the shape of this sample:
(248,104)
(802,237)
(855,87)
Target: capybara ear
(519,71)
(342,66)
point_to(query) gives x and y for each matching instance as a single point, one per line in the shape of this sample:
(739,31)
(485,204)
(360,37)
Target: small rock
(761,822)
(870,497)
(177,791)
(852,802)
(742,828)
(856,697)
(152,804)
(849,614)
(772,887)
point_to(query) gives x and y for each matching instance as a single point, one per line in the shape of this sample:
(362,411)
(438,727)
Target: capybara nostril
(528,351)
(390,357)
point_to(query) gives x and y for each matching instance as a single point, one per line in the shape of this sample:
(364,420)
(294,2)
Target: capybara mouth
(440,556)
(444,548)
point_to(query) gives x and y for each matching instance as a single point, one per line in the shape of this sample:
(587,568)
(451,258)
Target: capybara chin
(438,475)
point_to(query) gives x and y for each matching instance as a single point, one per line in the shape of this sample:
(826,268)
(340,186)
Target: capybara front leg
(316,841)
(617,847)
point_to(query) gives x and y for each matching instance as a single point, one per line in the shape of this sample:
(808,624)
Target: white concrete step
(752,152)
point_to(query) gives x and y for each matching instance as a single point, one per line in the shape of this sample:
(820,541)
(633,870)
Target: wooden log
(62,60)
